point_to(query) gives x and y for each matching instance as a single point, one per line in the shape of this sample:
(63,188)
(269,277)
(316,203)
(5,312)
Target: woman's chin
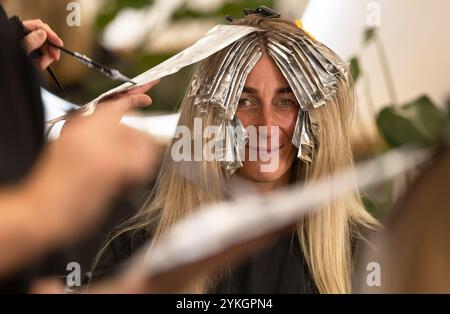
(261,172)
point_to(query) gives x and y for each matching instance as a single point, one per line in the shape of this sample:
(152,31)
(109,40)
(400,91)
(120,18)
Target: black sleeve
(21,109)
(21,124)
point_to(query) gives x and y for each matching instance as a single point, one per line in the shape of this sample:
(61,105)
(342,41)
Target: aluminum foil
(239,140)
(215,40)
(312,70)
(230,145)
(223,87)
(304,137)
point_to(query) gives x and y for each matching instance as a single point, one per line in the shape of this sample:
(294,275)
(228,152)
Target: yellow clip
(299,24)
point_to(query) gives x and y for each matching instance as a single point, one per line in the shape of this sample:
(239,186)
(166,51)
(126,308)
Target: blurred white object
(160,127)
(290,9)
(131,26)
(218,227)
(151,27)
(53,108)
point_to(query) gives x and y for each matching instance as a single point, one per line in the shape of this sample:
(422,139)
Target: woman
(318,256)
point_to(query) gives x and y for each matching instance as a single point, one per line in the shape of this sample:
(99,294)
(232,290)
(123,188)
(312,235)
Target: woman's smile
(265,149)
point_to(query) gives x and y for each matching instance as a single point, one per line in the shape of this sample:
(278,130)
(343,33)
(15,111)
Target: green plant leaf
(355,70)
(419,122)
(370,205)
(369,35)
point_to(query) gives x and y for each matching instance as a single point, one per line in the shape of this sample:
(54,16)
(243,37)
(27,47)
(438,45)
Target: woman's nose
(268,128)
(266,117)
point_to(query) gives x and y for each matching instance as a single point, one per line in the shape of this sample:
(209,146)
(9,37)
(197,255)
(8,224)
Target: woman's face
(267,100)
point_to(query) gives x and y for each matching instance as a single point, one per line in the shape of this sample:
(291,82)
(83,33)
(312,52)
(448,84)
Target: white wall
(416,36)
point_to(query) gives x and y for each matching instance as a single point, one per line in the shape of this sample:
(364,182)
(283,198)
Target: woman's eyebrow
(283,90)
(280,90)
(249,90)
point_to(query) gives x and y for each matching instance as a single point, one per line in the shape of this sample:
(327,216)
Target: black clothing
(279,268)
(21,123)
(21,109)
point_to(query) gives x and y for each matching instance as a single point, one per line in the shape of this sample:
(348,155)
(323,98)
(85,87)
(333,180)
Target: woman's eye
(245,103)
(286,103)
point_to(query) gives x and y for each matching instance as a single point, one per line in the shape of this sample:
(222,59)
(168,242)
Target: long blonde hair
(325,236)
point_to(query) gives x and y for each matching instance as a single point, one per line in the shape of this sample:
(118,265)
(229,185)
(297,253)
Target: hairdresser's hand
(36,39)
(136,91)
(92,162)
(117,105)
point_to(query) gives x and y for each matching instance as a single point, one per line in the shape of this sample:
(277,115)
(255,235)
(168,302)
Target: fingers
(34,41)
(33,25)
(40,33)
(132,99)
(117,107)
(51,36)
(53,52)
(43,62)
(144,88)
